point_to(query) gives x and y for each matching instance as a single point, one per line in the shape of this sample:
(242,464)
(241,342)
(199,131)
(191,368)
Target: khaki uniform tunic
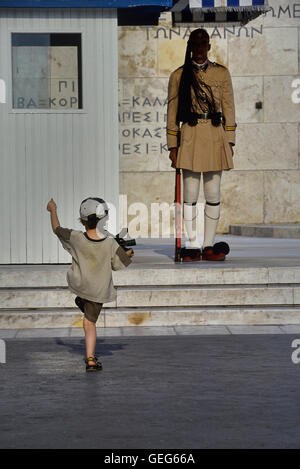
(203,147)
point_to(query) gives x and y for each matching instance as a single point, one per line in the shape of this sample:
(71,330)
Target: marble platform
(291,230)
(258,284)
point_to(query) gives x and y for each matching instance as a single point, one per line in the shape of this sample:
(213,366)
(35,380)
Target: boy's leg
(90,338)
(91,314)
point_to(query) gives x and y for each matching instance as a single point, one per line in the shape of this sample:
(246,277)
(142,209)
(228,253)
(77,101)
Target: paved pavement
(155,391)
(158,253)
(244,252)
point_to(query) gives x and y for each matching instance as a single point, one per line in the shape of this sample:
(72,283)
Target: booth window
(46,71)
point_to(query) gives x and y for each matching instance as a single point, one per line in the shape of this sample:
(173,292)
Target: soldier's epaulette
(219,65)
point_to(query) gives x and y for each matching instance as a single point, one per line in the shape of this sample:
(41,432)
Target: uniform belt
(206,115)
(216,118)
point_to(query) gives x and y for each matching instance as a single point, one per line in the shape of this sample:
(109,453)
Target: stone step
(179,274)
(266,231)
(36,298)
(208,296)
(42,318)
(241,292)
(175,316)
(179,295)
(186,274)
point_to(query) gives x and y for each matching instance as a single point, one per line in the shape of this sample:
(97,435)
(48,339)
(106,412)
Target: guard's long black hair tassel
(184,98)
(202,92)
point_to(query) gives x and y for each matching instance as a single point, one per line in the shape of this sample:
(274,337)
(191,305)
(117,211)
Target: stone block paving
(175,390)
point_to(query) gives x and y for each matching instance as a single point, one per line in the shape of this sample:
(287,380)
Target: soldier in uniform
(200,95)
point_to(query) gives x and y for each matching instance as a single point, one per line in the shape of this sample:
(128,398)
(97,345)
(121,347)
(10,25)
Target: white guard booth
(58,123)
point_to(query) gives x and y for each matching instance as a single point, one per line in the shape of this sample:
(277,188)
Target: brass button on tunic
(204,147)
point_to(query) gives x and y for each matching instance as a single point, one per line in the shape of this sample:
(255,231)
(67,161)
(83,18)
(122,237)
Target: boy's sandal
(99,364)
(96,367)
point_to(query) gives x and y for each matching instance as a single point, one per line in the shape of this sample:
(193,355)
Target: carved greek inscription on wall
(142,125)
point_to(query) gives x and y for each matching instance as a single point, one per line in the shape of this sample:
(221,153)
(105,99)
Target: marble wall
(263,58)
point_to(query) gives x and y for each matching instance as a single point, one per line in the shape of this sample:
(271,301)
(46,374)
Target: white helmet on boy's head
(93,206)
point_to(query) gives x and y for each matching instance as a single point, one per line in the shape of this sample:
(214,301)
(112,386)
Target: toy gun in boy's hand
(124,242)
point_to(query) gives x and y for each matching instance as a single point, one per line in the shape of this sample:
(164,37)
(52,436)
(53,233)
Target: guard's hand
(173,157)
(130,253)
(231,146)
(51,205)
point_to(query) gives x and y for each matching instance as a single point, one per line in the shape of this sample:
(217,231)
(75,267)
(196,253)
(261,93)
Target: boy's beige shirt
(90,276)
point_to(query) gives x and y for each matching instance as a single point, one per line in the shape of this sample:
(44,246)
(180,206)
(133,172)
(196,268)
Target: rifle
(178,219)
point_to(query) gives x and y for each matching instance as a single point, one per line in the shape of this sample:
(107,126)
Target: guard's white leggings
(211,188)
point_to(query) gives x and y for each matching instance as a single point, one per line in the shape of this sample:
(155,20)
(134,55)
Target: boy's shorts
(91,309)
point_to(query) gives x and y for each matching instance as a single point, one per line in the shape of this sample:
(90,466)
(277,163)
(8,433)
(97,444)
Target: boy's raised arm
(51,207)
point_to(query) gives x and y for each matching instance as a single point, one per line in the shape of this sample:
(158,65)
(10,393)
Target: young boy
(94,256)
